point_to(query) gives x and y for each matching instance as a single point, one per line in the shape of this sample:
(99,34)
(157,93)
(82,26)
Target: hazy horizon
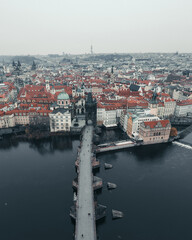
(41,27)
(99,53)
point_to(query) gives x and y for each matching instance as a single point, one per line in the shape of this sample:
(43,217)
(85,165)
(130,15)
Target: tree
(173,132)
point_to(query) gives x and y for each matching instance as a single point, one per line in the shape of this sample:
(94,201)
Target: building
(131,119)
(35,94)
(170,105)
(100,115)
(153,104)
(91,109)
(79,106)
(160,109)
(166,109)
(183,108)
(107,114)
(7,120)
(38,117)
(21,117)
(110,118)
(178,95)
(152,132)
(63,100)
(60,120)
(79,92)
(134,122)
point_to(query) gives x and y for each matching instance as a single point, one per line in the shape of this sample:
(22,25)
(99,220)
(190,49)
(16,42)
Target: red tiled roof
(152,124)
(185,102)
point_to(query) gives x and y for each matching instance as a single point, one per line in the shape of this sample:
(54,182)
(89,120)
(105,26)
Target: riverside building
(155,131)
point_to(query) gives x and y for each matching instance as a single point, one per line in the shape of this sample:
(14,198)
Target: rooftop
(63,96)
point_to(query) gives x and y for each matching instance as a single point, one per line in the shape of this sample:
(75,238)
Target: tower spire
(91,50)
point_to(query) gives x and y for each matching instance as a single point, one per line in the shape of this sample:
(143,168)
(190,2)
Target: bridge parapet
(85,211)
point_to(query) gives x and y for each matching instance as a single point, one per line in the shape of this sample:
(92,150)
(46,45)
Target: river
(154,191)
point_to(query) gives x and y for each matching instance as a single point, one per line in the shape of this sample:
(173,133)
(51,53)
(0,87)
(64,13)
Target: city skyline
(46,27)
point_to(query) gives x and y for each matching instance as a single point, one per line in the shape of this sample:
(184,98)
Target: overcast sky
(71,26)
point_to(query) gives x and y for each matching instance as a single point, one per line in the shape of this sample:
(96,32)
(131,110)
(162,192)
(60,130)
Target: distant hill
(66,60)
(24,59)
(108,57)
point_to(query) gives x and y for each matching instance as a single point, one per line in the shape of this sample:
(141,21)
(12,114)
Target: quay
(115,146)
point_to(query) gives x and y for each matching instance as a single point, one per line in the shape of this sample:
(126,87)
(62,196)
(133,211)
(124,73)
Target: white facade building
(178,95)
(60,120)
(166,108)
(183,108)
(7,121)
(100,116)
(170,105)
(107,117)
(110,118)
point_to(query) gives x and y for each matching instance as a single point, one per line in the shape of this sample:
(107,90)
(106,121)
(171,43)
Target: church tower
(34,66)
(91,109)
(112,77)
(47,86)
(91,50)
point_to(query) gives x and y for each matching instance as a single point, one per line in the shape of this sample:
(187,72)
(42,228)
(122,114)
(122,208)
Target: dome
(63,96)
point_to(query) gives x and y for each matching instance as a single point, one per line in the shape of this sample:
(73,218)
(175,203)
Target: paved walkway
(85,221)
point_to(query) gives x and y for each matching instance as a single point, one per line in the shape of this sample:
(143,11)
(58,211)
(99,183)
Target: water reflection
(112,135)
(151,153)
(8,143)
(43,146)
(52,144)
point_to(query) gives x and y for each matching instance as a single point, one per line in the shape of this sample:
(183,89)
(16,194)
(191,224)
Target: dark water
(154,191)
